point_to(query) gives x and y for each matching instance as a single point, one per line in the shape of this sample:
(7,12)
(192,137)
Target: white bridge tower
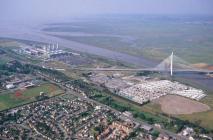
(171,64)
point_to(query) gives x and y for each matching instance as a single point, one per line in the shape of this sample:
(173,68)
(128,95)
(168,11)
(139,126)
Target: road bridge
(170,64)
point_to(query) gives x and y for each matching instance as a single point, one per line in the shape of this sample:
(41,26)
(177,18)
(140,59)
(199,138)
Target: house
(10,86)
(146,127)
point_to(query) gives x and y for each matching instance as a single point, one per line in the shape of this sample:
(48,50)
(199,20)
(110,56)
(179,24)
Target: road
(163,131)
(141,69)
(69,91)
(130,118)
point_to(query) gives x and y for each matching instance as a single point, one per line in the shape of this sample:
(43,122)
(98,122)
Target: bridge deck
(142,69)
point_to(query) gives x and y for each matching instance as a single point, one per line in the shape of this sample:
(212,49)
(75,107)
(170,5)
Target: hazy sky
(19,10)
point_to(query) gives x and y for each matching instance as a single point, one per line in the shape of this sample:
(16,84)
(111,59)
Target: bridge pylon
(171,64)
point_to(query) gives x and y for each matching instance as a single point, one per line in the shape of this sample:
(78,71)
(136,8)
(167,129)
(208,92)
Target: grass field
(204,119)
(4,59)
(10,100)
(133,107)
(7,46)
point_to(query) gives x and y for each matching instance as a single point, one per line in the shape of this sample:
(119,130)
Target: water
(40,36)
(199,79)
(35,34)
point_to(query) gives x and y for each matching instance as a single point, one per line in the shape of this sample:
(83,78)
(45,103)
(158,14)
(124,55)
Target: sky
(23,10)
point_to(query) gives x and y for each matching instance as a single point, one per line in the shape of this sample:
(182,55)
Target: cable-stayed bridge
(170,64)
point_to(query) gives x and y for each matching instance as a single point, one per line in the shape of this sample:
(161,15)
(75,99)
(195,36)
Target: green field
(4,59)
(7,46)
(10,100)
(204,119)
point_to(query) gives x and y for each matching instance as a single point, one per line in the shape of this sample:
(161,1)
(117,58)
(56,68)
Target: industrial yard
(151,90)
(144,89)
(42,50)
(106,70)
(125,91)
